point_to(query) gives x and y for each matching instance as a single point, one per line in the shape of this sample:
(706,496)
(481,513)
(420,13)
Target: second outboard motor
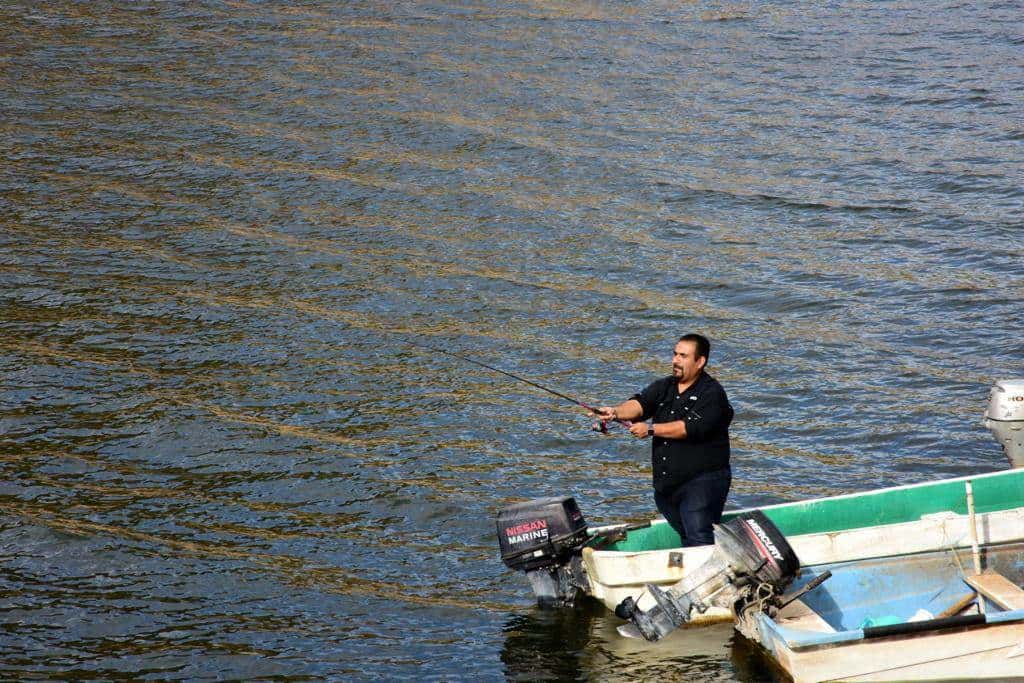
(1005,418)
(751,562)
(543,538)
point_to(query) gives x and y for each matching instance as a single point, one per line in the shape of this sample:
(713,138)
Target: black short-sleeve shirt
(706,410)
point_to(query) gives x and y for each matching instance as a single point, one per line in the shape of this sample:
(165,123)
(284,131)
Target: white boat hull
(976,655)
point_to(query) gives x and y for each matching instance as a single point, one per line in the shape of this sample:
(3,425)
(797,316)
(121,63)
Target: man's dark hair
(703,345)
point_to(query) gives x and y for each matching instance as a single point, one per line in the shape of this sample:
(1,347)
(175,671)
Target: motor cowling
(543,538)
(752,563)
(1005,418)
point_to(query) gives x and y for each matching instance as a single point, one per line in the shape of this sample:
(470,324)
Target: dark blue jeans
(692,508)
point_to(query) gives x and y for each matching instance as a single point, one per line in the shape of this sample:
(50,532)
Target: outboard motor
(1005,418)
(544,537)
(751,565)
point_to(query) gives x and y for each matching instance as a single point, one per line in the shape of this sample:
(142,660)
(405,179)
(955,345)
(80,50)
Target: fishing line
(575,401)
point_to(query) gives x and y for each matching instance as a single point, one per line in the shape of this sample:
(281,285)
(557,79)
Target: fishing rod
(575,401)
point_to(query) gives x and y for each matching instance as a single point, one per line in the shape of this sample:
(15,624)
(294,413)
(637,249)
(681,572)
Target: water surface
(220,221)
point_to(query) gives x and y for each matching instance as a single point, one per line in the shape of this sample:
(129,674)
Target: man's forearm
(670,430)
(630,410)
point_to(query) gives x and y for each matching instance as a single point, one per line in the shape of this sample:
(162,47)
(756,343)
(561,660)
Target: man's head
(690,356)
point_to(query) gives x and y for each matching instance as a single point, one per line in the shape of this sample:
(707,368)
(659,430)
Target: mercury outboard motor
(1005,418)
(543,538)
(752,563)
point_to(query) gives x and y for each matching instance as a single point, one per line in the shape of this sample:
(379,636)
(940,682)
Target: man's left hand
(639,430)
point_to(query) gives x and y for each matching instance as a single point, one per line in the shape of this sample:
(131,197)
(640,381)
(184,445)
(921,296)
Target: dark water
(218,222)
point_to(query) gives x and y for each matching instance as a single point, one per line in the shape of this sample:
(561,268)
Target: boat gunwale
(801,505)
(872,492)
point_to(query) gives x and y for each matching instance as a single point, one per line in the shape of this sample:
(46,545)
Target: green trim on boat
(995,491)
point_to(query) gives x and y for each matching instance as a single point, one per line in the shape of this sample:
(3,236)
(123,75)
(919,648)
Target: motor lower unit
(544,537)
(750,567)
(1005,418)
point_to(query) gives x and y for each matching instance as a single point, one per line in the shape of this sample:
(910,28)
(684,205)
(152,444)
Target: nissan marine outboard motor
(751,565)
(543,538)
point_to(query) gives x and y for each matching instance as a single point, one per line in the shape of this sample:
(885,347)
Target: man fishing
(690,416)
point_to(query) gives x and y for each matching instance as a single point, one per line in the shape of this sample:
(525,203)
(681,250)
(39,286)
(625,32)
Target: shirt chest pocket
(670,410)
(676,408)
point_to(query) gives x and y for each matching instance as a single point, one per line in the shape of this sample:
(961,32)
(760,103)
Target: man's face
(685,363)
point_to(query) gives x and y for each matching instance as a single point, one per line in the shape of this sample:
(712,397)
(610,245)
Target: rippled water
(220,221)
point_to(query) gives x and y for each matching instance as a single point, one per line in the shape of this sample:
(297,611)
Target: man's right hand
(605,414)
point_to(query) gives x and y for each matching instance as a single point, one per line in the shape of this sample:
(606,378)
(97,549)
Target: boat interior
(920,592)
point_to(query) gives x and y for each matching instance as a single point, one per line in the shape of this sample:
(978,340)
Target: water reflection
(581,643)
(548,644)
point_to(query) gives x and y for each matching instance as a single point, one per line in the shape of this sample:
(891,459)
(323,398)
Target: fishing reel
(602,425)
